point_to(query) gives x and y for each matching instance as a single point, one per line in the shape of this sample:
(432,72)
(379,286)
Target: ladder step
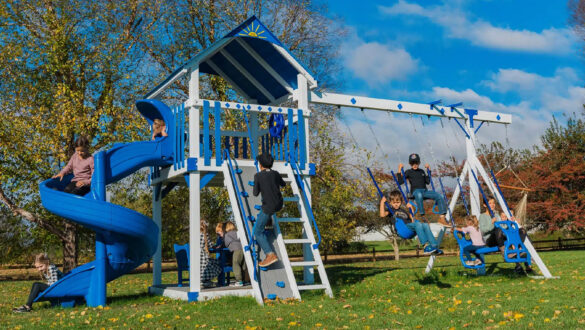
(289,219)
(303,263)
(291,199)
(297,241)
(312,287)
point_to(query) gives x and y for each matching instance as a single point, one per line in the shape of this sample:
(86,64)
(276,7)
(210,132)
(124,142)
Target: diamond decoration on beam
(399,106)
(353,101)
(498,117)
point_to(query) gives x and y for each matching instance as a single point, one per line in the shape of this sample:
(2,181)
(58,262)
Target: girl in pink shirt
(81,164)
(477,241)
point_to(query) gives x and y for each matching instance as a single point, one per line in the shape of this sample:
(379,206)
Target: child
(228,232)
(49,272)
(210,268)
(81,164)
(158,128)
(268,183)
(423,231)
(477,241)
(419,180)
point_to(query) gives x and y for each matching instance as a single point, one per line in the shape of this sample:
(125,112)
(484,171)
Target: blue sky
(518,57)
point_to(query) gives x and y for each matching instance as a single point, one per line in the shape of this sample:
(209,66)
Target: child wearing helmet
(418,180)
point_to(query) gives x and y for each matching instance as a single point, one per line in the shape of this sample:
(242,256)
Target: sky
(516,57)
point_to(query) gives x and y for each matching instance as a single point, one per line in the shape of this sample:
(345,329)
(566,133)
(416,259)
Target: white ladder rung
(289,219)
(297,241)
(303,263)
(312,287)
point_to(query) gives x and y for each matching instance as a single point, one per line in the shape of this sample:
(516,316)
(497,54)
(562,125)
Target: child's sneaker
(478,262)
(22,309)
(470,263)
(429,249)
(237,284)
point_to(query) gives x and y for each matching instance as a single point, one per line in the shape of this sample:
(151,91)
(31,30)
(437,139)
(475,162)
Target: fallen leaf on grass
(346,306)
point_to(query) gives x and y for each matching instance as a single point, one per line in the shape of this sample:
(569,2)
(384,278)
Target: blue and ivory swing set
(264,75)
(515,250)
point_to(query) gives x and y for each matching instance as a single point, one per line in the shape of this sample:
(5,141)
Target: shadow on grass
(343,274)
(122,299)
(433,278)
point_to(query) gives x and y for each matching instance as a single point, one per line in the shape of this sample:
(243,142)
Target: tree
(66,68)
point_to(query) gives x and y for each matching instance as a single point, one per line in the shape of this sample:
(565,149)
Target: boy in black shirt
(422,229)
(267,182)
(419,180)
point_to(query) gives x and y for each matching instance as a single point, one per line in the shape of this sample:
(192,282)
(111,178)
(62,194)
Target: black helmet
(413,159)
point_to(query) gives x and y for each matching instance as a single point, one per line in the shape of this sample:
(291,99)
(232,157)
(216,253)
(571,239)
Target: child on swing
(418,180)
(423,231)
(477,241)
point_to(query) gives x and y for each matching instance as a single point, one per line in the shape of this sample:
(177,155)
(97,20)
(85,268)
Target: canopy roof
(252,60)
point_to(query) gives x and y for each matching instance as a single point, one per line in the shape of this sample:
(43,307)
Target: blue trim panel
(192,296)
(206,146)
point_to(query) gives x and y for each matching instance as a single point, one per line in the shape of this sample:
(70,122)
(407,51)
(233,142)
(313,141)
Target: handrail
(301,186)
(241,204)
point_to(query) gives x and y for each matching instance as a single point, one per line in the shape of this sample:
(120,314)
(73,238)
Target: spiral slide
(125,239)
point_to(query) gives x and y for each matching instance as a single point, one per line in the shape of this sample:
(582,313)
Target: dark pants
(73,189)
(36,289)
(498,238)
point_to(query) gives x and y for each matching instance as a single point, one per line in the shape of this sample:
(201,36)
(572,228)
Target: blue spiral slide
(125,239)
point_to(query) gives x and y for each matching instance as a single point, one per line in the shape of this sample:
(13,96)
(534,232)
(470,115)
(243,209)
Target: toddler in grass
(49,272)
(477,242)
(228,232)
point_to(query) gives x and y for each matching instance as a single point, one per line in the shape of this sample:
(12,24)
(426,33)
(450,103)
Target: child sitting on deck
(158,128)
(477,241)
(423,231)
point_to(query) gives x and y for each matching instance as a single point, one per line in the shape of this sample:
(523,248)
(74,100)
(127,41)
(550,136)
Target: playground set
(201,151)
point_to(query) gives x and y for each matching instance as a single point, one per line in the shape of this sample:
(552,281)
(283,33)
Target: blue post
(236,146)
(206,147)
(244,148)
(98,286)
(182,136)
(291,141)
(218,158)
(176,144)
(302,139)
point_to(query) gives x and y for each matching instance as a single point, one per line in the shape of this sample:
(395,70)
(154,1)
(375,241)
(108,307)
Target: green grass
(385,294)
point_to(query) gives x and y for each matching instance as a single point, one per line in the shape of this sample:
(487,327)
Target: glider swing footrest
(312,287)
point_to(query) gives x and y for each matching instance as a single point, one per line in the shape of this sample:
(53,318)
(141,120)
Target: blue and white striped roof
(252,60)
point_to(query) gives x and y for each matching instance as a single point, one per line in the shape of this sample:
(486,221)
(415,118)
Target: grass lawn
(384,294)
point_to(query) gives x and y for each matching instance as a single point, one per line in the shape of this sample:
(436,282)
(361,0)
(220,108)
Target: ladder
(278,280)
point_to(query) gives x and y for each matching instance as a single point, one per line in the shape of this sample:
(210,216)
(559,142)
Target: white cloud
(561,92)
(481,33)
(377,63)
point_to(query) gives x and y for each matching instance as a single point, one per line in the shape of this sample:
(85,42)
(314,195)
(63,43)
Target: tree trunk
(70,247)
(396,249)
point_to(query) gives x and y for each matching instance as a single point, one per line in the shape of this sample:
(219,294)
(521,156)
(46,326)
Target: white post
(194,189)
(303,104)
(157,218)
(474,197)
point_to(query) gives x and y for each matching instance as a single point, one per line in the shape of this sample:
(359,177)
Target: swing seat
(463,242)
(403,231)
(514,248)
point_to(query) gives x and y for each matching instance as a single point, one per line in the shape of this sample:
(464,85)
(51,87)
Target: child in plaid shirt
(210,268)
(49,272)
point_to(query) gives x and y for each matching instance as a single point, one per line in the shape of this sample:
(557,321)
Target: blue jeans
(471,249)
(260,236)
(421,194)
(423,231)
